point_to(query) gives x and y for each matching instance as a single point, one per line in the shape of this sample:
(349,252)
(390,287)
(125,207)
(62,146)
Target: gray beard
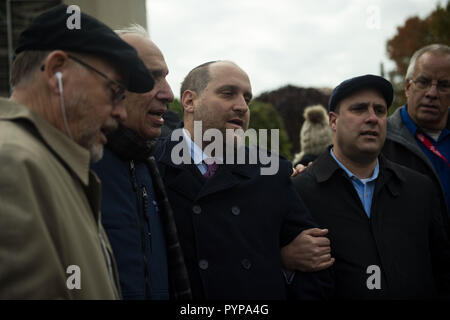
(96,153)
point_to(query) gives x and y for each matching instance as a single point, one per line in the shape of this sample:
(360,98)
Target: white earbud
(58,75)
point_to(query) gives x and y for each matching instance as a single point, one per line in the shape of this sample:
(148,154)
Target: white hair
(133,28)
(437,47)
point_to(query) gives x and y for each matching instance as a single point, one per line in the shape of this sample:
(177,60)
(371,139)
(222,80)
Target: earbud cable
(63,109)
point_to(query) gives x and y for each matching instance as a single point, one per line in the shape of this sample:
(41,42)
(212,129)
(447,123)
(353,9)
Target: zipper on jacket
(141,227)
(146,215)
(108,259)
(133,176)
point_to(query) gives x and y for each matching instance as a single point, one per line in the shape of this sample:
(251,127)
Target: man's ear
(55,62)
(187,101)
(332,118)
(407,87)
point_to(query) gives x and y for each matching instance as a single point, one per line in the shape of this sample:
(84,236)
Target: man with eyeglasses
(67,89)
(384,221)
(418,134)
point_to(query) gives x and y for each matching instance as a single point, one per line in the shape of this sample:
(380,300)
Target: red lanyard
(430,146)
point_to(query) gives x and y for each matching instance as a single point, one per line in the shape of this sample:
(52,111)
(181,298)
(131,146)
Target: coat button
(235,210)
(197,209)
(246,263)
(203,264)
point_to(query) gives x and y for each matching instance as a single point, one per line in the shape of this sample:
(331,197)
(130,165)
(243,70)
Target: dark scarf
(128,145)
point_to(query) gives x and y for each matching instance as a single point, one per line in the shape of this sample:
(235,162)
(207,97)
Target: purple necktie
(211,169)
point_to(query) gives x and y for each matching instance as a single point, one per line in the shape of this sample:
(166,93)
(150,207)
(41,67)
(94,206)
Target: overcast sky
(307,43)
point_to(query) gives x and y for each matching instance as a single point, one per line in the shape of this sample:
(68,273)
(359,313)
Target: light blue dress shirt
(364,187)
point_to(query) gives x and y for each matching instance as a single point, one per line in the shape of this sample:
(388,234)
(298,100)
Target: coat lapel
(398,132)
(226,177)
(187,179)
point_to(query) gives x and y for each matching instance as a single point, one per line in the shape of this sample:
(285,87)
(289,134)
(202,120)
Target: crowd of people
(94,205)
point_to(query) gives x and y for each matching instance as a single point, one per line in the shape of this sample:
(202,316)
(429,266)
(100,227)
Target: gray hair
(133,28)
(437,47)
(25,66)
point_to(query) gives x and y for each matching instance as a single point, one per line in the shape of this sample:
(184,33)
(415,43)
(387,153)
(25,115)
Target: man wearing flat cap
(385,228)
(67,88)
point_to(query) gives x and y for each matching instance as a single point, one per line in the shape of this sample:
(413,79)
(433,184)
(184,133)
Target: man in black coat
(232,219)
(385,221)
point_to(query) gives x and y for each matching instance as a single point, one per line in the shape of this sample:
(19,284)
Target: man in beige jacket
(67,87)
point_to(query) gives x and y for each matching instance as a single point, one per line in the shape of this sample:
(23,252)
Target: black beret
(352,85)
(50,31)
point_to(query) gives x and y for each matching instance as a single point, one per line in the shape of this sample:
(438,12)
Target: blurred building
(15,16)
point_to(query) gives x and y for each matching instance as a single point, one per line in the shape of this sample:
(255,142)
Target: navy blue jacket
(131,220)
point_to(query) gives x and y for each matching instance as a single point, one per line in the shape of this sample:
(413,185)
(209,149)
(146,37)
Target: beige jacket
(52,244)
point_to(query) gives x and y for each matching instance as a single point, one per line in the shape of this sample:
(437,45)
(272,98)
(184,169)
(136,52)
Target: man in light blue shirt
(364,187)
(232,222)
(385,225)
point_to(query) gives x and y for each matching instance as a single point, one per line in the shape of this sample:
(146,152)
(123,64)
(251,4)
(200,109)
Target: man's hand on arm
(310,251)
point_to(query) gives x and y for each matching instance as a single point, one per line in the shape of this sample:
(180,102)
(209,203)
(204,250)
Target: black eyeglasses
(117,90)
(425,84)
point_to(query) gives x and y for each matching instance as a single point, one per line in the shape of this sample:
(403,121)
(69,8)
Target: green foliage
(399,93)
(414,34)
(176,106)
(265,116)
(439,24)
(262,116)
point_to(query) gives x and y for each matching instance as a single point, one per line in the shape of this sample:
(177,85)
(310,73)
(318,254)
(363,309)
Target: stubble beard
(87,138)
(96,153)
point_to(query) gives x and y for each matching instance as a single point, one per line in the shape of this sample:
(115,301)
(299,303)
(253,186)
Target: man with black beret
(385,227)
(67,89)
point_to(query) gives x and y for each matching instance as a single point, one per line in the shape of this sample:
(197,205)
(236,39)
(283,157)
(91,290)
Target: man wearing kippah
(136,213)
(233,219)
(385,224)
(66,97)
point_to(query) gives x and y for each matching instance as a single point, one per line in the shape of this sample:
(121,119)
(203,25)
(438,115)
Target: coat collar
(398,132)
(188,180)
(166,145)
(75,157)
(324,167)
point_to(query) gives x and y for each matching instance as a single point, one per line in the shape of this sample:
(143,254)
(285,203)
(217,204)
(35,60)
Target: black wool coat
(232,226)
(404,235)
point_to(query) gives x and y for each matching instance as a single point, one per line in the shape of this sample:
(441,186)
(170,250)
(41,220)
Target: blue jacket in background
(131,219)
